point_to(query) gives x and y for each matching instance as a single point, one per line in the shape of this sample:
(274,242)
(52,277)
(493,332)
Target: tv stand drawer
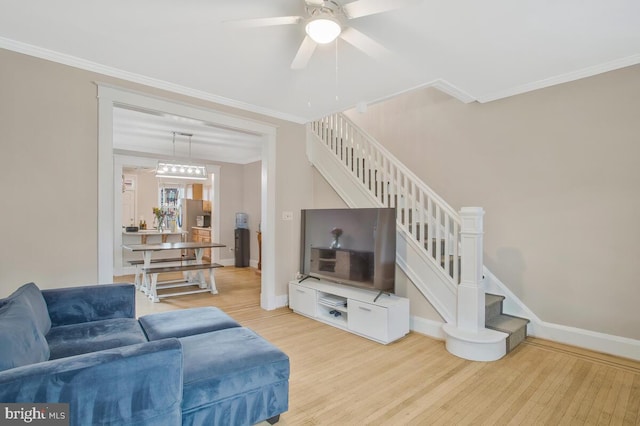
(367,319)
(302,299)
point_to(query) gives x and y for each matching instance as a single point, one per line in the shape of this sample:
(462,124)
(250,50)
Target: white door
(129,200)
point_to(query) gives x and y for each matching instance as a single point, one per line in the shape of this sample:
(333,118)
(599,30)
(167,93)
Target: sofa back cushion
(21,341)
(31,297)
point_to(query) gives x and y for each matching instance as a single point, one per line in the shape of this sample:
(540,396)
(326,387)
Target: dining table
(193,270)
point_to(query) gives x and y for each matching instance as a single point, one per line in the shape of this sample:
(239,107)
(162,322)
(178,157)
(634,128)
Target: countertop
(153,232)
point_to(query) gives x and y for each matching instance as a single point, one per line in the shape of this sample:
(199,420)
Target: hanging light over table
(181,169)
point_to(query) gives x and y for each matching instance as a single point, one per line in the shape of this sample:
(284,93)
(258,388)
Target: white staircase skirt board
(428,279)
(337,175)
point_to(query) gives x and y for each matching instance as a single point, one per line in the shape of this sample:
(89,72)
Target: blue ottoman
(185,322)
(233,377)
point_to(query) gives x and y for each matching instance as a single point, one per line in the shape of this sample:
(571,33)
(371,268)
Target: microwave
(203,221)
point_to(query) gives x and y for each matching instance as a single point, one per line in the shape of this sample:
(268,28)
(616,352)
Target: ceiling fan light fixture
(323,29)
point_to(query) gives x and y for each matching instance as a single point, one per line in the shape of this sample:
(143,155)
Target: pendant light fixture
(181,169)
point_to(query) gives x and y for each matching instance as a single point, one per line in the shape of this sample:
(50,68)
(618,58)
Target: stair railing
(425,217)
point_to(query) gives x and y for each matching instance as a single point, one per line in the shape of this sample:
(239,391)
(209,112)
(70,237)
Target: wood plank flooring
(341,379)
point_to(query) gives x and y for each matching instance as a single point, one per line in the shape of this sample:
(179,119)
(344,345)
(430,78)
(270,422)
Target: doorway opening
(110,98)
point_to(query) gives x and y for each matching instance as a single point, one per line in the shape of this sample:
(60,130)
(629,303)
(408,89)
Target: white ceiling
(474,50)
(151,134)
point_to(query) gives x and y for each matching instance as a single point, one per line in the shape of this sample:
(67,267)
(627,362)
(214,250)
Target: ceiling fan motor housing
(328,7)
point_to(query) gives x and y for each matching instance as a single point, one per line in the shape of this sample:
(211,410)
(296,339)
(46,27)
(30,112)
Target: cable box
(333,300)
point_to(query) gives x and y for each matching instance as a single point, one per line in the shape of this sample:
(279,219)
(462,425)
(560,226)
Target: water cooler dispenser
(242,240)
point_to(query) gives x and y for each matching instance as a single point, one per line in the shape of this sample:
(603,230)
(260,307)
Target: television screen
(350,246)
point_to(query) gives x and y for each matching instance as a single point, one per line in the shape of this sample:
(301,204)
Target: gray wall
(48,144)
(556,171)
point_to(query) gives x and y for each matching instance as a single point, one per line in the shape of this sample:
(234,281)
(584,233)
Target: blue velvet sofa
(84,346)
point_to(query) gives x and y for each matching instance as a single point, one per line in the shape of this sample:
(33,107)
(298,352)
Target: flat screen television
(355,247)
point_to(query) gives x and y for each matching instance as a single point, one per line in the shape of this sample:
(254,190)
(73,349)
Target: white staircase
(439,249)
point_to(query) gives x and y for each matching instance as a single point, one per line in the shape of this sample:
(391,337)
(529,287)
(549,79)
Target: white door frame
(110,96)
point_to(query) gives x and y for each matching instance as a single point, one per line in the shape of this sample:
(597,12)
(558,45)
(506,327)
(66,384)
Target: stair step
(515,327)
(493,298)
(506,323)
(492,306)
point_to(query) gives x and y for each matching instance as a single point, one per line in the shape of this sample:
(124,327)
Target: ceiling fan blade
(360,8)
(364,43)
(305,51)
(265,22)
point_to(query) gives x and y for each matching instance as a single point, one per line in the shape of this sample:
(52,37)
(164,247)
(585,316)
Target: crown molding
(451,90)
(440,84)
(73,61)
(562,78)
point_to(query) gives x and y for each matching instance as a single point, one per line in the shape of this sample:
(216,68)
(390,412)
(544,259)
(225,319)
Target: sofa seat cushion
(76,339)
(21,342)
(185,322)
(228,363)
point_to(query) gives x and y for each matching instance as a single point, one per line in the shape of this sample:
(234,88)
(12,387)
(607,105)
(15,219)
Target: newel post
(471,306)
(468,338)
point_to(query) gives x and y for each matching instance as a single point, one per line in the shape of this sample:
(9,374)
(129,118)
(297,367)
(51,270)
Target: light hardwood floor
(341,379)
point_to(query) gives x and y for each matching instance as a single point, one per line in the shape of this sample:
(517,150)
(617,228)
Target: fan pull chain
(337,98)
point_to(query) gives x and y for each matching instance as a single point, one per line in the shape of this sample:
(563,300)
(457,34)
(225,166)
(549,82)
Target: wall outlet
(287,215)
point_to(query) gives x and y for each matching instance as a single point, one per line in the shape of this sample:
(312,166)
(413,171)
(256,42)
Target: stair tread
(492,298)
(506,323)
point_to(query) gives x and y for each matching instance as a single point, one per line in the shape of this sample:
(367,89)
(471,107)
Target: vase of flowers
(336,232)
(160,216)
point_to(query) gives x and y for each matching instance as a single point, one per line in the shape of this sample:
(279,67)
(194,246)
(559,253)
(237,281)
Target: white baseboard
(282,301)
(427,327)
(587,339)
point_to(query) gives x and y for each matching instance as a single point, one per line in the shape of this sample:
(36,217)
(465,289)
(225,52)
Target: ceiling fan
(326,20)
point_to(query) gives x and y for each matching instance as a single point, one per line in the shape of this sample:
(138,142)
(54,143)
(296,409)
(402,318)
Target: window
(169,195)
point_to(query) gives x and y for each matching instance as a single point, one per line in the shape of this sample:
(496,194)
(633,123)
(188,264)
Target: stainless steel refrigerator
(189,210)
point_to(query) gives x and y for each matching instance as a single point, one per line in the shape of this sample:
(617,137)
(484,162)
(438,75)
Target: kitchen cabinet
(197,191)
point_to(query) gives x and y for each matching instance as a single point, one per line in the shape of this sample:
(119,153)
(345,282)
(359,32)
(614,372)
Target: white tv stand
(352,309)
